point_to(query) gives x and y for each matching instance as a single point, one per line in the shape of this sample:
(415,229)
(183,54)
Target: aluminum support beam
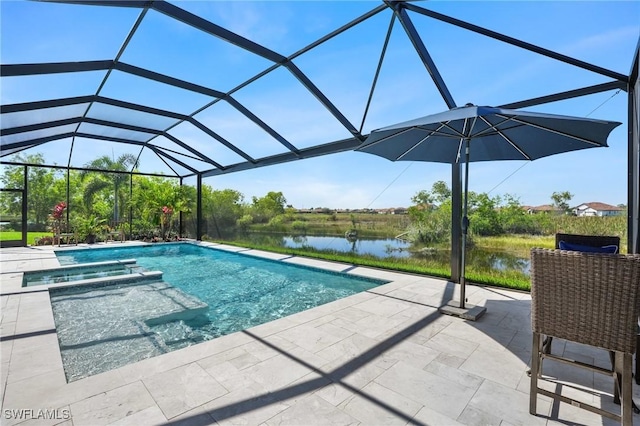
(251,116)
(25,210)
(377,73)
(50,103)
(58,167)
(192,150)
(424,55)
(199,207)
(165,79)
(220,139)
(35,142)
(633,171)
(215,30)
(561,96)
(75,120)
(138,107)
(315,151)
(513,41)
(39,126)
(308,84)
(15,70)
(118,3)
(161,154)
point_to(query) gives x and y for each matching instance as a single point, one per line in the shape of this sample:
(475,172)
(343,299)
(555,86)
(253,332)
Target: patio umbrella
(482,133)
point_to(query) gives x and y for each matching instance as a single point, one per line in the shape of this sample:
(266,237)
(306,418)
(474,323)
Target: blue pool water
(206,293)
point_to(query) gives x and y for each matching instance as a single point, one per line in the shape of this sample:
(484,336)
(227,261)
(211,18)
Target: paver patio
(384,356)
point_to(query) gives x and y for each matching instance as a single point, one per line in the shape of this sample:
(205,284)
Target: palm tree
(101,181)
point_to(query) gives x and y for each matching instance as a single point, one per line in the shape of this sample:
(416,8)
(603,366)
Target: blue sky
(475,68)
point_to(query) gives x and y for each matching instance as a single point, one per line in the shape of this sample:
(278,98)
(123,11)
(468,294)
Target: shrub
(244,222)
(277,220)
(299,225)
(485,226)
(44,241)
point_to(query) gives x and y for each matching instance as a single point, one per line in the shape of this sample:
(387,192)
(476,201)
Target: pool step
(117,323)
(122,308)
(173,304)
(176,334)
(128,341)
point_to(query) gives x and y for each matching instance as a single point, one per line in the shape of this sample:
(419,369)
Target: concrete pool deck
(384,356)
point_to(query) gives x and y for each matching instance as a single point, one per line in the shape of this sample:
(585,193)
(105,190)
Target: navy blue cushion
(612,249)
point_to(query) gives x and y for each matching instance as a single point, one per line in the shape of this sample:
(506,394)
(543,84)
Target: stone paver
(112,406)
(385,356)
(182,389)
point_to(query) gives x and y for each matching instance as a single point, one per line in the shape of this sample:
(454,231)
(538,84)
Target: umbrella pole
(463,310)
(465,225)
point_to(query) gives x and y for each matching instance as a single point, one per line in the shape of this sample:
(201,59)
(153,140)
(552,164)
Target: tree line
(150,207)
(500,215)
(142,206)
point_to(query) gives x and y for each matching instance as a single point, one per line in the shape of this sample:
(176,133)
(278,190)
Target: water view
(388,248)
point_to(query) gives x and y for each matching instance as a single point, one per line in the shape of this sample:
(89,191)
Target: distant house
(545,208)
(399,210)
(392,210)
(597,209)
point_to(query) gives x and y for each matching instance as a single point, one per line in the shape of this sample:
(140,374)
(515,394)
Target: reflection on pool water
(206,293)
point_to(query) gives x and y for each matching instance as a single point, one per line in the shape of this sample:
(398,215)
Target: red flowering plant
(165,220)
(58,215)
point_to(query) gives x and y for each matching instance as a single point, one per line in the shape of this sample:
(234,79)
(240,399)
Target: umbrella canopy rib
(561,133)
(511,142)
(431,133)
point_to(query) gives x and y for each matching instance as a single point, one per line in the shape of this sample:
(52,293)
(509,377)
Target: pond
(389,247)
(477,257)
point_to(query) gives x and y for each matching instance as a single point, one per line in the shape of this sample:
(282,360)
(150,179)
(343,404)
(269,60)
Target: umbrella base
(469,312)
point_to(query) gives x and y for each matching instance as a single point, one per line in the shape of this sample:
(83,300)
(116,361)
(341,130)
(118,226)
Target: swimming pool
(104,327)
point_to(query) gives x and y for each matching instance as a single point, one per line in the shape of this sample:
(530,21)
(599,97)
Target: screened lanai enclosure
(112,95)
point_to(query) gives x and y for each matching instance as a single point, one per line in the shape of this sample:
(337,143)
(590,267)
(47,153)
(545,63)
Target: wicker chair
(588,298)
(596,241)
(583,240)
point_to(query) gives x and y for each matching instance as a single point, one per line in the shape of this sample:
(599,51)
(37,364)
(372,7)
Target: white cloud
(605,40)
(255,21)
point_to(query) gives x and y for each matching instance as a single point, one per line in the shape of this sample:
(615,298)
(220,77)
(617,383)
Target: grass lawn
(508,279)
(520,245)
(16,235)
